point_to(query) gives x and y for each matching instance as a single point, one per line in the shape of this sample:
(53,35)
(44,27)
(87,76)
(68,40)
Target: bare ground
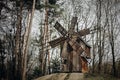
(62,76)
(76,76)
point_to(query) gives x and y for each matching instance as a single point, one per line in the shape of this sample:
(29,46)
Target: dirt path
(62,76)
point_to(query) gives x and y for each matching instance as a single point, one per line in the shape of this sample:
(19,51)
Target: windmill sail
(60,29)
(85,47)
(84,32)
(72,26)
(57,41)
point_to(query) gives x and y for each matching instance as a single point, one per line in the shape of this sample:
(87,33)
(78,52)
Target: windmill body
(75,50)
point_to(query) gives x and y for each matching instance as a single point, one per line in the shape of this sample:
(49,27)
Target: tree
(26,38)
(55,65)
(2,60)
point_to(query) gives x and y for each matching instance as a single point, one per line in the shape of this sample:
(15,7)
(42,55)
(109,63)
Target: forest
(27,28)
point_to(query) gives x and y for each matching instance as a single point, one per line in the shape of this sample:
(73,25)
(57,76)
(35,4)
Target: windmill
(75,50)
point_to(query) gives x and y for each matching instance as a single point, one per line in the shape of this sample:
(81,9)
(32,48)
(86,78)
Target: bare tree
(26,40)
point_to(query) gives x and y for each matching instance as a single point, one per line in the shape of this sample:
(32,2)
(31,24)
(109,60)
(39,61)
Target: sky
(69,12)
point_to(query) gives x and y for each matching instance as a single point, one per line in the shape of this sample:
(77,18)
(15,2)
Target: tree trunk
(113,52)
(17,74)
(93,63)
(26,40)
(45,40)
(99,34)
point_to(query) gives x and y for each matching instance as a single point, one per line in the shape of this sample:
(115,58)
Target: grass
(99,77)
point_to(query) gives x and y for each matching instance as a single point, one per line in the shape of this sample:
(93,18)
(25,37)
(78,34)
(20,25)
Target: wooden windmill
(75,50)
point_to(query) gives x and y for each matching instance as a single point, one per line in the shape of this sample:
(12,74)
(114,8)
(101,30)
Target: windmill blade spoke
(84,32)
(72,26)
(57,42)
(60,29)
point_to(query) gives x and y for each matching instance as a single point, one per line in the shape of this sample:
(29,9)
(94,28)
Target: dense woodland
(26,27)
